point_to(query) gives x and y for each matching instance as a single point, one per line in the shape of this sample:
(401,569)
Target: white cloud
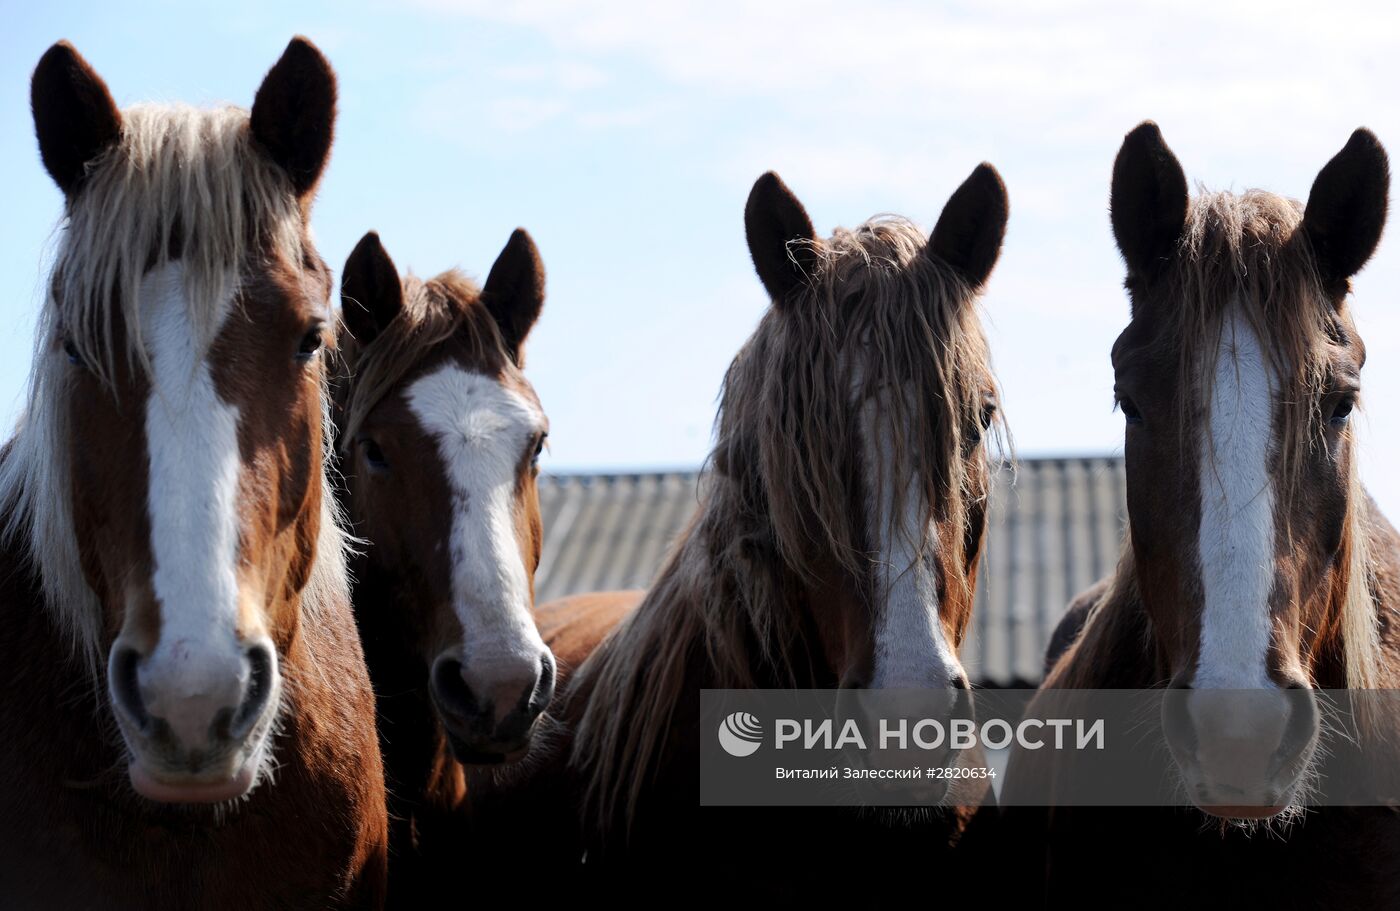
(887,105)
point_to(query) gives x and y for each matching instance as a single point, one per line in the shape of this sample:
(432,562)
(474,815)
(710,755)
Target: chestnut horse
(1255,560)
(836,545)
(187,719)
(441,436)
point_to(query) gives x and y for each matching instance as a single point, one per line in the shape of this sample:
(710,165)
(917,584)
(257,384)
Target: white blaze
(192,500)
(911,649)
(482,430)
(1236,546)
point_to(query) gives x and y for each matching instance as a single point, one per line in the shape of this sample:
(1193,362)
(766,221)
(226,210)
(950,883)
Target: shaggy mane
(782,504)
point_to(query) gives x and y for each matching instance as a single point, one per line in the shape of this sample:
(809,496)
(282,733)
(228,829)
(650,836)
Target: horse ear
(75,117)
(1347,207)
(1148,201)
(969,232)
(294,113)
(773,220)
(514,291)
(370,292)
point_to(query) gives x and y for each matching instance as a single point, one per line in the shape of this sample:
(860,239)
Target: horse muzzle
(196,723)
(491,719)
(1242,754)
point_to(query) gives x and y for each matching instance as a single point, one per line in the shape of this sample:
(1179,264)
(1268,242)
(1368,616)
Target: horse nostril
(1302,728)
(451,690)
(544,687)
(262,677)
(126,691)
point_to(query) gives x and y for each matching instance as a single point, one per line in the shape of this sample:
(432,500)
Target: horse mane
(433,311)
(1247,251)
(780,508)
(180,183)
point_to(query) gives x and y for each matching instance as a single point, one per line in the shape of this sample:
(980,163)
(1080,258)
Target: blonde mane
(433,311)
(780,508)
(1246,250)
(181,183)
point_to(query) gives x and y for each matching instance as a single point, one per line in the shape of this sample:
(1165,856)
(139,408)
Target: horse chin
(220,782)
(909,817)
(494,754)
(929,795)
(1265,804)
(1244,812)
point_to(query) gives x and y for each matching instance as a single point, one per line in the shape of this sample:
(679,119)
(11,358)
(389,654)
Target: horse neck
(418,760)
(29,625)
(22,597)
(725,612)
(1116,648)
(754,618)
(61,740)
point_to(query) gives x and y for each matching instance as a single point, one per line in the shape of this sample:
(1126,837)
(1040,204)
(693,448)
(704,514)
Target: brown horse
(188,721)
(1255,560)
(574,626)
(836,544)
(441,436)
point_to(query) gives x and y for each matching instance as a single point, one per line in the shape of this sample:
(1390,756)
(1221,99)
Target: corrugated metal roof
(1053,532)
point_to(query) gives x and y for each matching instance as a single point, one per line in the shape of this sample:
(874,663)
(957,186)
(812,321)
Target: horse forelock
(183,184)
(878,315)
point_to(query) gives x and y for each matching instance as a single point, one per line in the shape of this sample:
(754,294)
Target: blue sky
(625,137)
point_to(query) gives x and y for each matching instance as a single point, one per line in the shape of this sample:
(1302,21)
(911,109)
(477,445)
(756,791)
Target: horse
(1254,559)
(575,625)
(188,721)
(441,436)
(836,544)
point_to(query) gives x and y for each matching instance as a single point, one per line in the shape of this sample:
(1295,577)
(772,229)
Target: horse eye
(374,456)
(978,431)
(311,343)
(539,449)
(71,350)
(1130,411)
(1342,411)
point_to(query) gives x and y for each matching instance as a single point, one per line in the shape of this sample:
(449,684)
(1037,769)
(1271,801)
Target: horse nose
(490,706)
(1241,748)
(193,702)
